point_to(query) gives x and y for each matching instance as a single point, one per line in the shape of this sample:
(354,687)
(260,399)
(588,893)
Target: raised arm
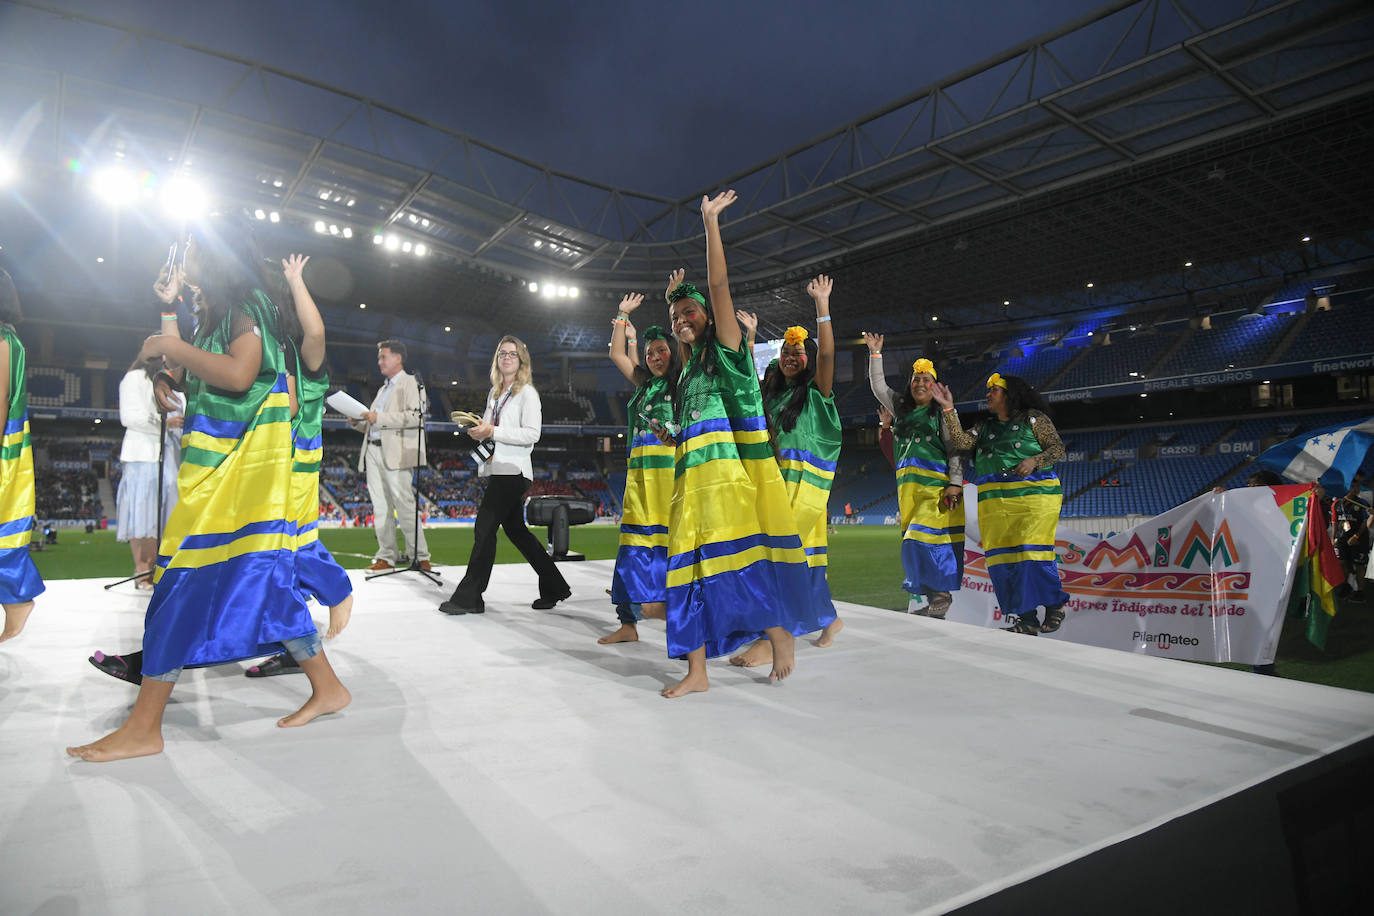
(4,381)
(876,380)
(953,431)
(307,313)
(623,353)
(819,291)
(750,322)
(727,326)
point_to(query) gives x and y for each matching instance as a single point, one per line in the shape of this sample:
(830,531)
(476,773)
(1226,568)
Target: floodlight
(392,243)
(406,246)
(274,217)
(333,229)
(259,214)
(376,238)
(320,226)
(548,290)
(347,232)
(184,198)
(572,291)
(420,250)
(7,171)
(534,287)
(562,290)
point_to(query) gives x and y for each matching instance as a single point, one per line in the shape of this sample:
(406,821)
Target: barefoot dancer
(318,575)
(641,563)
(1018,498)
(736,567)
(930,483)
(226,576)
(20,582)
(799,397)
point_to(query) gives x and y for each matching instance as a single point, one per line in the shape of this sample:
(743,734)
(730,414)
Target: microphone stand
(161,453)
(414,549)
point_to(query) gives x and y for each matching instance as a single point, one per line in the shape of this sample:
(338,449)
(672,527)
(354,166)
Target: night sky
(662,98)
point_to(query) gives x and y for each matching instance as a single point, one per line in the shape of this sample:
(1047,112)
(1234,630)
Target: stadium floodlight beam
(347,232)
(7,171)
(114,185)
(377,238)
(420,250)
(573,292)
(547,289)
(184,198)
(274,217)
(259,214)
(392,243)
(406,246)
(320,226)
(534,287)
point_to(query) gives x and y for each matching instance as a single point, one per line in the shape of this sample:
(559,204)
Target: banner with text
(1208,580)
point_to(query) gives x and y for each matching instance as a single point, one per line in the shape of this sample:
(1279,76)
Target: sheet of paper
(346,404)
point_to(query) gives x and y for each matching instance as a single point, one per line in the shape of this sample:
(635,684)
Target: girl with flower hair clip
(736,567)
(641,562)
(930,483)
(1019,497)
(804,424)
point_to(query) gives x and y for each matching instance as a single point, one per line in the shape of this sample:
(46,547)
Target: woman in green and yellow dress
(20,582)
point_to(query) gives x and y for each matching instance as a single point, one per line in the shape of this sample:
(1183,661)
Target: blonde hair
(522,375)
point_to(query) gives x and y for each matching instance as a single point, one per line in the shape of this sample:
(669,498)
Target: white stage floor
(506,763)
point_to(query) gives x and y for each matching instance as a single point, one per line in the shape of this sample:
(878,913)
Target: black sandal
(123,667)
(277,664)
(1025,623)
(1054,619)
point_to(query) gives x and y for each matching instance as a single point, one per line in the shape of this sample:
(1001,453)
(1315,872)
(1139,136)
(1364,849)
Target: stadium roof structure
(1111,150)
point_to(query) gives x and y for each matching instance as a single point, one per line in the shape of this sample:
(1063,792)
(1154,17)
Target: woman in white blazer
(136,502)
(510,427)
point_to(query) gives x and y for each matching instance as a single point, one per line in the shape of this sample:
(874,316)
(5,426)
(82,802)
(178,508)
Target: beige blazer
(399,425)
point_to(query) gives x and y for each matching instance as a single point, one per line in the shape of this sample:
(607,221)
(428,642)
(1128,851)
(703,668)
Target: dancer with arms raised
(736,567)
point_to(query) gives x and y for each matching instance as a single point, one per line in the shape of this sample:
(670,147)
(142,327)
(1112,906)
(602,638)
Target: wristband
(169,316)
(822,319)
(875,356)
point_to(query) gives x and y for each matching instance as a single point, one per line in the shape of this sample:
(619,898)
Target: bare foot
(692,683)
(627,633)
(16,615)
(339,615)
(119,744)
(784,654)
(831,630)
(760,653)
(655,610)
(319,704)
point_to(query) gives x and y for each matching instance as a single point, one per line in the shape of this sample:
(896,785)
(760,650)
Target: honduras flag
(1332,455)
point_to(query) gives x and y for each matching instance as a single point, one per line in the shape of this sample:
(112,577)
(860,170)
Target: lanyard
(496,411)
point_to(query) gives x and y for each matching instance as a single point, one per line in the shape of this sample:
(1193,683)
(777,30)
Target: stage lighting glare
(1307,238)
(573,292)
(350,202)
(562,291)
(405,246)
(1187,263)
(100,260)
(324,195)
(320,226)
(185,199)
(277,183)
(538,243)
(347,232)
(424,223)
(97,419)
(1090,284)
(6,171)
(413,218)
(114,185)
(1006,302)
(548,290)
(448,329)
(934,317)
(392,243)
(534,287)
(1144,395)
(376,238)
(420,250)
(333,229)
(1090,333)
(259,214)
(274,217)
(362,305)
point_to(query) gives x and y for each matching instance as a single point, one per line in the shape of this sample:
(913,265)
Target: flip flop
(277,664)
(124,667)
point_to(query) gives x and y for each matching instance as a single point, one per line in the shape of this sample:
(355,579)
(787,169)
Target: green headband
(685,291)
(655,332)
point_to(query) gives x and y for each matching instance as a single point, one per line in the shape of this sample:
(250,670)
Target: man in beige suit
(392,448)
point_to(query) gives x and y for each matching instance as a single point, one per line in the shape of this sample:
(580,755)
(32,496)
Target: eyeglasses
(508,354)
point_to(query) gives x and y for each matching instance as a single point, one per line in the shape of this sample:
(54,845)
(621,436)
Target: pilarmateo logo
(1164,641)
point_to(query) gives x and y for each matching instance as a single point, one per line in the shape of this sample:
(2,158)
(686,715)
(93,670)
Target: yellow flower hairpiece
(924,365)
(794,336)
(996,381)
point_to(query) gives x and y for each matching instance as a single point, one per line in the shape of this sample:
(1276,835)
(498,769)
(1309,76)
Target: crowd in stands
(67,494)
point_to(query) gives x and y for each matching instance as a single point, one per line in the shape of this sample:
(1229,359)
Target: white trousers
(391,492)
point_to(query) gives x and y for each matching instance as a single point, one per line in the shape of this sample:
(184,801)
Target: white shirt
(378,405)
(138,413)
(521,422)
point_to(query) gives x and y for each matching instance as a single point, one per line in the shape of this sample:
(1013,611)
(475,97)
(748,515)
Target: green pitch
(864,569)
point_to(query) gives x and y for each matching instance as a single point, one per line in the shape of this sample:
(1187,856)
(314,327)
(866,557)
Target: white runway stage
(506,763)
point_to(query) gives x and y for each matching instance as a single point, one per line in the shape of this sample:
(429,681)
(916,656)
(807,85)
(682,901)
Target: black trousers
(503,506)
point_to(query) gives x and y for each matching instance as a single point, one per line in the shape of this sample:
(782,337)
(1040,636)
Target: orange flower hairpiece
(794,336)
(924,365)
(996,381)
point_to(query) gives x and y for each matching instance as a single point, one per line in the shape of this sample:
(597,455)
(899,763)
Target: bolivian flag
(1319,572)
